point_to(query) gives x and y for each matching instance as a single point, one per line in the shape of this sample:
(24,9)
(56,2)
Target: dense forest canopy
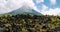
(29,23)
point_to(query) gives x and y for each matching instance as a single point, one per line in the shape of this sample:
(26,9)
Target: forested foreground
(29,23)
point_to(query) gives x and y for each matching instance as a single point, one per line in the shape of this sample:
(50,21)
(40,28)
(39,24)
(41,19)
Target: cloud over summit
(9,5)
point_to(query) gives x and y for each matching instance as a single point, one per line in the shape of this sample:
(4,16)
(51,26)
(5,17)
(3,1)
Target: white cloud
(51,11)
(53,2)
(39,1)
(44,7)
(9,5)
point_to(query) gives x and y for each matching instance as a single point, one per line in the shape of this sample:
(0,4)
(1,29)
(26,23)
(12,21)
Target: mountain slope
(20,12)
(25,10)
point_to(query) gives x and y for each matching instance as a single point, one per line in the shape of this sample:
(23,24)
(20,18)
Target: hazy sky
(50,7)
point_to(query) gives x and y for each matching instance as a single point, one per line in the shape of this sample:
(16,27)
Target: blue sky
(49,7)
(47,3)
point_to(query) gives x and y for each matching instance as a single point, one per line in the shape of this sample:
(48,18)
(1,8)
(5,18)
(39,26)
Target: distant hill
(18,11)
(25,10)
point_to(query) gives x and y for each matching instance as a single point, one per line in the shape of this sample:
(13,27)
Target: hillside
(29,23)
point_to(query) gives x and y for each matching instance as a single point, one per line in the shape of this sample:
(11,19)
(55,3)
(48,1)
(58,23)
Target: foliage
(29,23)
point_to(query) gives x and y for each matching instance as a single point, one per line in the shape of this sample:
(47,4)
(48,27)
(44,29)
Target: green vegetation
(29,23)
